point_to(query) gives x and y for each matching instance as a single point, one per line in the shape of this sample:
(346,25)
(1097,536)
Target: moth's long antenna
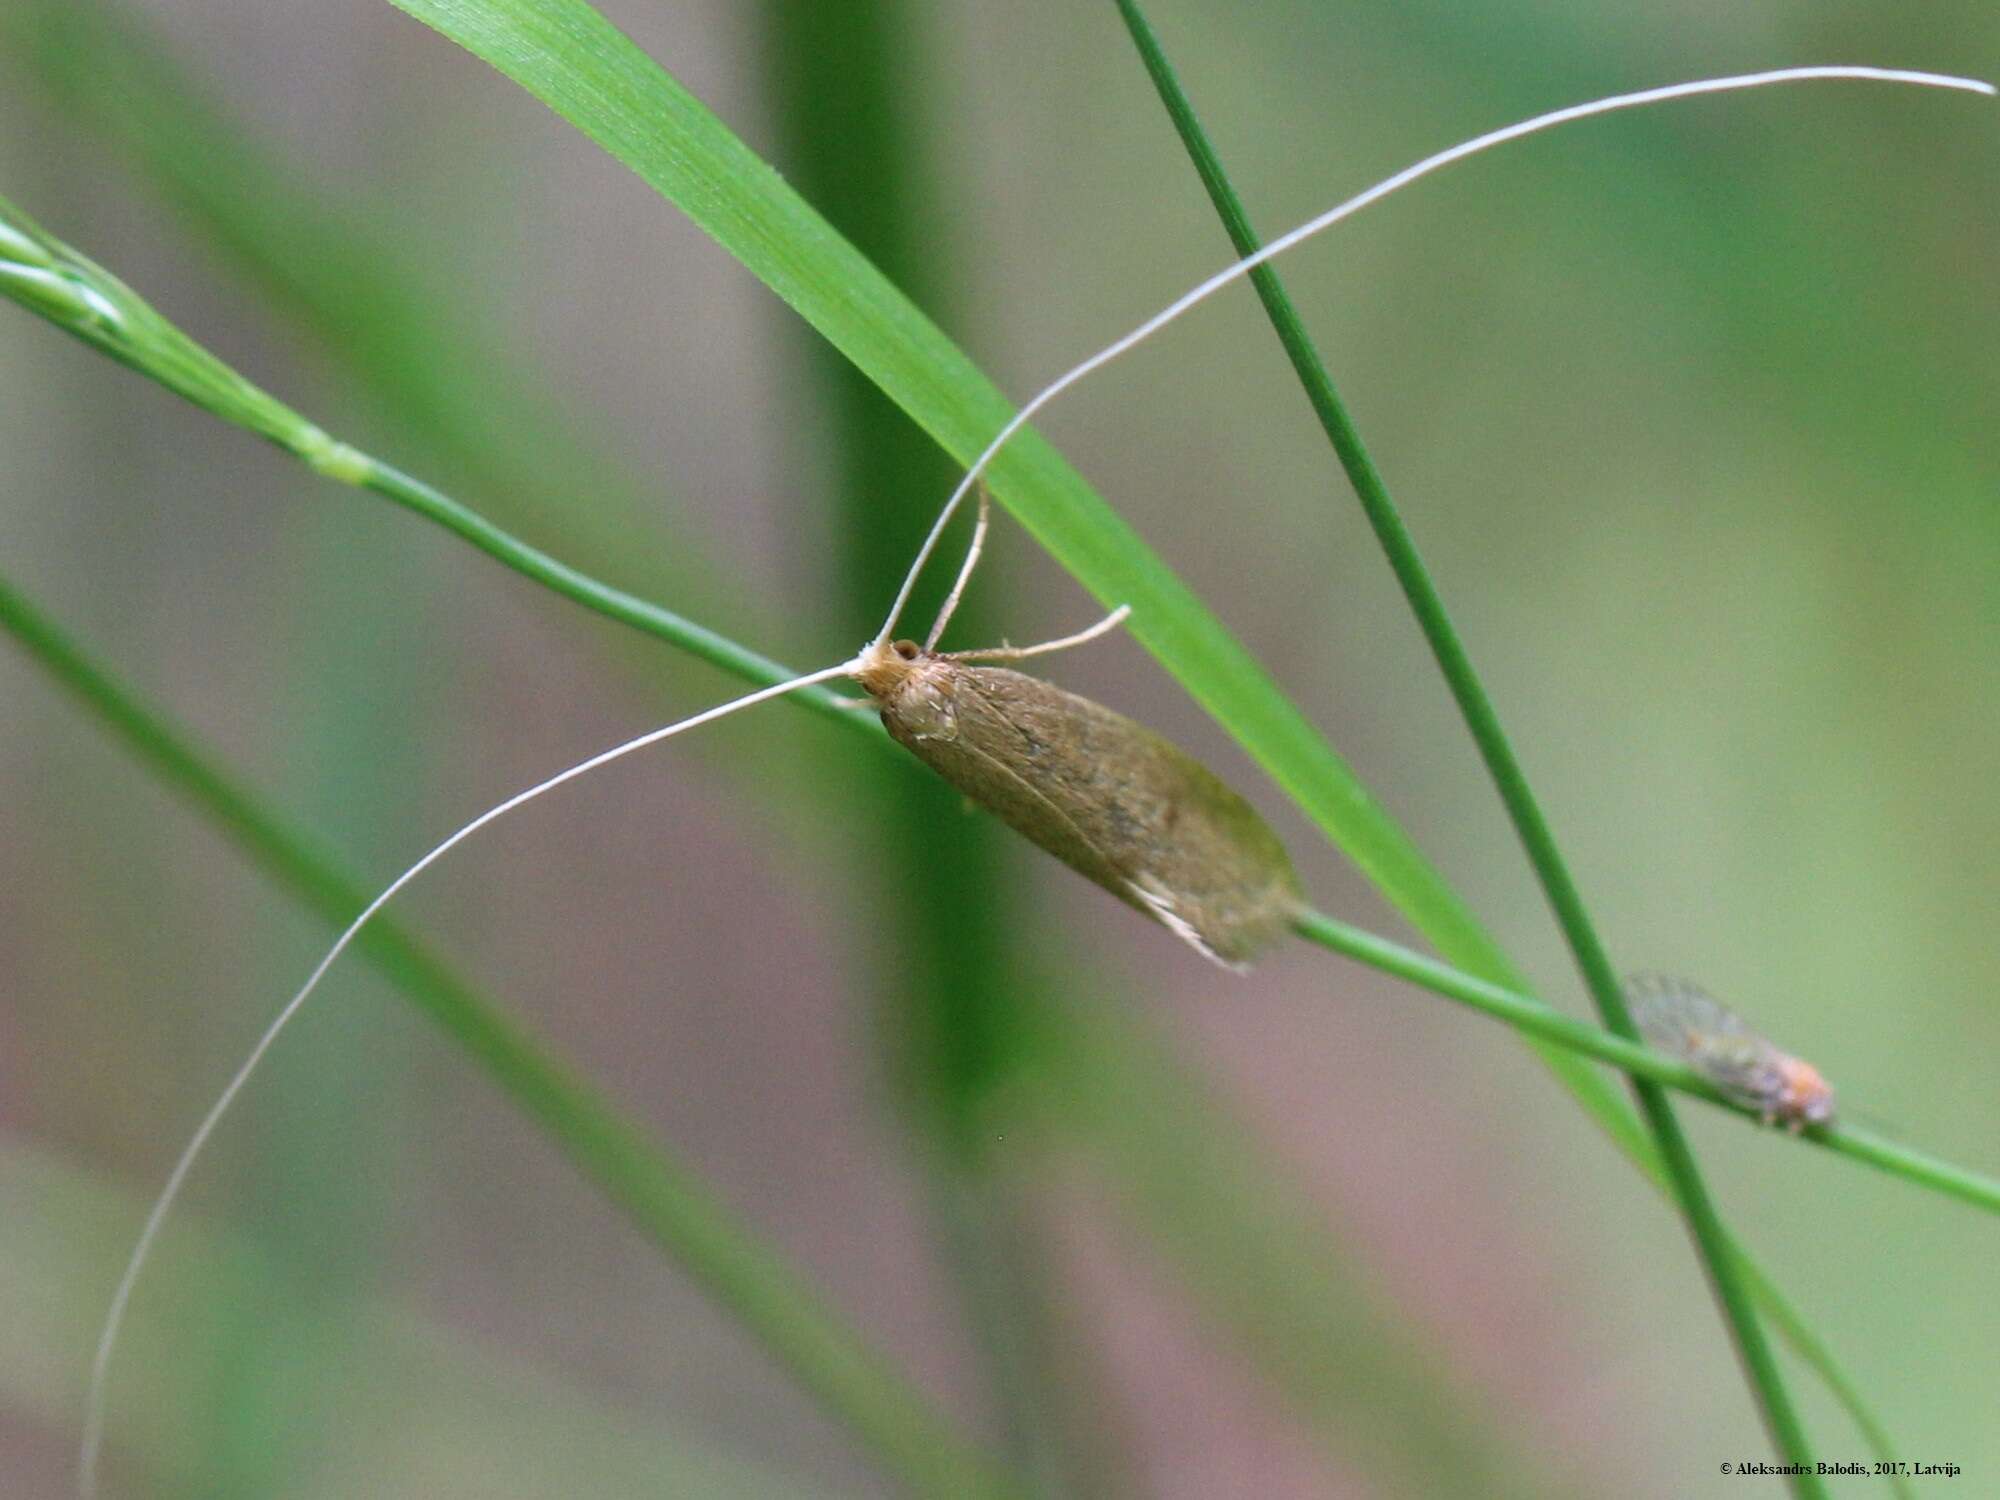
(1360,201)
(107,1340)
(950,605)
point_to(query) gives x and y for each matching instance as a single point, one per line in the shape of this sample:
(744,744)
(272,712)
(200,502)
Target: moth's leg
(950,606)
(1014,653)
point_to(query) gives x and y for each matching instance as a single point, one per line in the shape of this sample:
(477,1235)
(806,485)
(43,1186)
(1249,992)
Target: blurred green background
(1694,412)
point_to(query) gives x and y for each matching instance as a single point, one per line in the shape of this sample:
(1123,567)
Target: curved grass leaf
(567,55)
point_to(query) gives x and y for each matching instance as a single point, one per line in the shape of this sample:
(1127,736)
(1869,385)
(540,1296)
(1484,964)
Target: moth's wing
(1680,1018)
(1026,806)
(1745,1067)
(1676,1014)
(1189,847)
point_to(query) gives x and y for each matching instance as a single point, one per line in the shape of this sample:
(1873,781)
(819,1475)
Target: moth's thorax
(914,686)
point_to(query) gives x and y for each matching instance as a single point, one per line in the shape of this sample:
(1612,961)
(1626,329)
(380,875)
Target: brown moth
(1111,799)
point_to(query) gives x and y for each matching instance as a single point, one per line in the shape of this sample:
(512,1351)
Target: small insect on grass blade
(1685,1021)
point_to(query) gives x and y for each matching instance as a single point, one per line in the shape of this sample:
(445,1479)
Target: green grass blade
(571,58)
(665,1199)
(1717,1250)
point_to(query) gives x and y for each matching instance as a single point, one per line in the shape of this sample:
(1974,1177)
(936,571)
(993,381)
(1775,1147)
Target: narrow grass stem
(628,609)
(1538,1018)
(66,287)
(1704,1224)
(664,1198)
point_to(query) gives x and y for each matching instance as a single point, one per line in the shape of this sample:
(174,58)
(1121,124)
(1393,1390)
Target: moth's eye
(908,650)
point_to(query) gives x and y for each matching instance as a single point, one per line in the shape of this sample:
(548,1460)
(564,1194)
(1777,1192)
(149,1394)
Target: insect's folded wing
(1195,853)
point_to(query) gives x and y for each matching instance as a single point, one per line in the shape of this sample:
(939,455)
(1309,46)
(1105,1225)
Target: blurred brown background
(1693,412)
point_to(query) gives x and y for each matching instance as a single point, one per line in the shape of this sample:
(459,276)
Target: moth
(1111,799)
(1682,1019)
(1116,802)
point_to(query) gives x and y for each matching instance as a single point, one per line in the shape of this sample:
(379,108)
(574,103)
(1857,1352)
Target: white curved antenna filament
(1229,274)
(114,1318)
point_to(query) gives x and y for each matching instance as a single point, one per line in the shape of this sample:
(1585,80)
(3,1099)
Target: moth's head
(890,669)
(1804,1097)
(915,687)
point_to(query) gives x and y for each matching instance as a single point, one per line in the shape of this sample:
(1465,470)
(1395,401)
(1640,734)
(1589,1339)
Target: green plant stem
(66,287)
(1704,1223)
(663,1198)
(628,609)
(1539,1019)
